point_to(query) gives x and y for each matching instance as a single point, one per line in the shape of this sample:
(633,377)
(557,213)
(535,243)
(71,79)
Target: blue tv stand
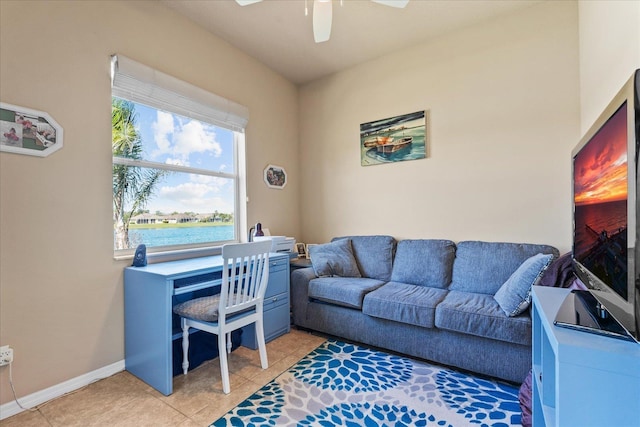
(579,378)
(150,293)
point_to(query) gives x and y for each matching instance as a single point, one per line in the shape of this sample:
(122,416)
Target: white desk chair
(240,303)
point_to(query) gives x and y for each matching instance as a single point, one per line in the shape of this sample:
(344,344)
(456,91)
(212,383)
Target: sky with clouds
(177,140)
(600,168)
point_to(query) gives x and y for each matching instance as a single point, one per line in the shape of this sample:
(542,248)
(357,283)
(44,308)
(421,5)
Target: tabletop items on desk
(279,243)
(140,257)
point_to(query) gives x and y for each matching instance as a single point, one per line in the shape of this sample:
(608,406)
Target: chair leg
(224,367)
(262,347)
(229,343)
(185,346)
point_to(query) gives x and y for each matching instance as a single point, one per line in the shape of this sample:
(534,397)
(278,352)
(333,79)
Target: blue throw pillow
(334,259)
(514,296)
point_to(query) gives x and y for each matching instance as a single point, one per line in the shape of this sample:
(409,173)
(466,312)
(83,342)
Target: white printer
(279,243)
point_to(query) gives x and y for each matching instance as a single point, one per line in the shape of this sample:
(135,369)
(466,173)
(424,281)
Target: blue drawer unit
(276,305)
(150,293)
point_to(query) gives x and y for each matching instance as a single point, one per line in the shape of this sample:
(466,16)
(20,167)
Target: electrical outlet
(6,355)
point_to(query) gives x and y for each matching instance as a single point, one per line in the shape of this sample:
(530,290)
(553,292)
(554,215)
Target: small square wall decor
(275,177)
(27,131)
(395,139)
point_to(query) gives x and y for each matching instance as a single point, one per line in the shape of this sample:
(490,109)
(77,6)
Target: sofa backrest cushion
(374,255)
(483,267)
(424,262)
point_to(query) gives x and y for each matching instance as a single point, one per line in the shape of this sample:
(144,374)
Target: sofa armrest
(300,279)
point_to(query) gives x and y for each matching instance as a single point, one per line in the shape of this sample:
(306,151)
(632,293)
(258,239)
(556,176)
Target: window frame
(135,82)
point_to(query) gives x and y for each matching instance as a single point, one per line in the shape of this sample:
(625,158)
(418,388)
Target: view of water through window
(177,235)
(174,178)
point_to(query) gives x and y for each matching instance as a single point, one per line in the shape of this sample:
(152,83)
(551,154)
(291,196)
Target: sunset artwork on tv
(600,203)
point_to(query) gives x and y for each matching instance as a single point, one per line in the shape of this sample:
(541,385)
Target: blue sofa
(431,299)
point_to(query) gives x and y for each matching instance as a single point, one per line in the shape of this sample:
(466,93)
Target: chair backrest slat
(244,279)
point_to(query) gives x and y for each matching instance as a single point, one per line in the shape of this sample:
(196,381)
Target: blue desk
(150,293)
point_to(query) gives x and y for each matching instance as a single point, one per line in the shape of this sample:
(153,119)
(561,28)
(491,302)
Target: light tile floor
(197,399)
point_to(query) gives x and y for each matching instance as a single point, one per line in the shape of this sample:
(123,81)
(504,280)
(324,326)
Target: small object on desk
(279,243)
(140,257)
(258,231)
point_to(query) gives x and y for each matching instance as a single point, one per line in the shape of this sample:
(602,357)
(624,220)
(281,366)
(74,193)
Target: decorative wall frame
(275,177)
(395,139)
(27,131)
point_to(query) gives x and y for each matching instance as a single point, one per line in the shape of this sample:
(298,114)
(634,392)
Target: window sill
(172,255)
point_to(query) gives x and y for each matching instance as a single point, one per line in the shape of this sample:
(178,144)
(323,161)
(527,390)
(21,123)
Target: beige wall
(61,292)
(503,99)
(505,111)
(609,52)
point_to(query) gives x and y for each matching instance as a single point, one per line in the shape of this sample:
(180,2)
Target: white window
(178,162)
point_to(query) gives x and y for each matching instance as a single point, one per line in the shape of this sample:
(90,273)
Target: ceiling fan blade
(322,17)
(393,3)
(247,2)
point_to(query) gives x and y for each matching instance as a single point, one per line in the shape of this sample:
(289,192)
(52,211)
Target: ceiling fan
(323,14)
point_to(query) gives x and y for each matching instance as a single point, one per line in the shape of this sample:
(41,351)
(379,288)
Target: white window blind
(140,83)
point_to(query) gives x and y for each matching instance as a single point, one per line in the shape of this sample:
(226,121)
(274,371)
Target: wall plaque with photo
(27,131)
(275,177)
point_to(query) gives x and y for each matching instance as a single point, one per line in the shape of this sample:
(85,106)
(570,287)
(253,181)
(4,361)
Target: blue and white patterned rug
(342,384)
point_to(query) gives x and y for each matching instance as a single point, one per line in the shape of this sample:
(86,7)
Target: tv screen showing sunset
(600,203)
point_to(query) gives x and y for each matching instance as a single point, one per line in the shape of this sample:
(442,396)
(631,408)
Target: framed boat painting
(395,139)
(27,131)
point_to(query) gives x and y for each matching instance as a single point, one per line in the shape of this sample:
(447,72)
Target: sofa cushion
(424,262)
(374,255)
(480,315)
(404,303)
(344,291)
(514,296)
(334,259)
(483,267)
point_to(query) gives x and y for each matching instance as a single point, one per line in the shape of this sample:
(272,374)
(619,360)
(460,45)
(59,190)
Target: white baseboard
(35,399)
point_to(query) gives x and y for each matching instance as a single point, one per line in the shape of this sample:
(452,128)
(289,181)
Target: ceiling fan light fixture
(400,4)
(322,19)
(323,14)
(247,2)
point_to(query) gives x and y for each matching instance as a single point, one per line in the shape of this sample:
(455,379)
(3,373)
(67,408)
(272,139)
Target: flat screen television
(605,218)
